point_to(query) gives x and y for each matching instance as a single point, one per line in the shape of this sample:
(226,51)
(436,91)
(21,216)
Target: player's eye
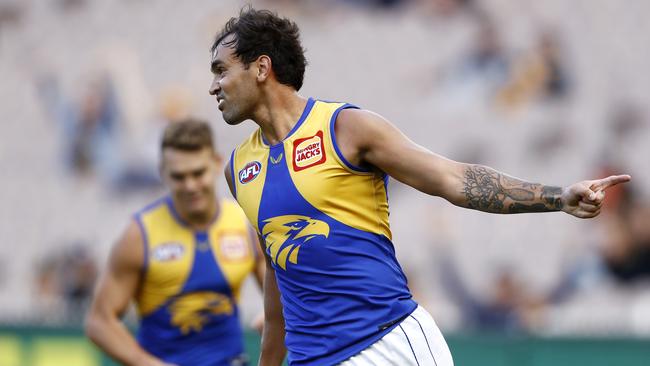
(198,173)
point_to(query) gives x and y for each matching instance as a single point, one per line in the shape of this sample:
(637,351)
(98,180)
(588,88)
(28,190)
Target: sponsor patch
(249,172)
(233,247)
(168,252)
(308,152)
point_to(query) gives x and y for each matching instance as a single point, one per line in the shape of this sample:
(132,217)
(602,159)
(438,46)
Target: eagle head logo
(283,236)
(192,311)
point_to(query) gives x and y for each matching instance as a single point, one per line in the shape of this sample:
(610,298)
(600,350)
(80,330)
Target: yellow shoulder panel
(354,197)
(249,166)
(170,254)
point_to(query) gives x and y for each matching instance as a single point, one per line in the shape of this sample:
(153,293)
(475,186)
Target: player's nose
(191,185)
(214,87)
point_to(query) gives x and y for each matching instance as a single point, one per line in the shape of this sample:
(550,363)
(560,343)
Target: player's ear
(264,67)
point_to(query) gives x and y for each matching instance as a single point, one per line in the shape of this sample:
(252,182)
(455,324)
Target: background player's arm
(366,138)
(115,289)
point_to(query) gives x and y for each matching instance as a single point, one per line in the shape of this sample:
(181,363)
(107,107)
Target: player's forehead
(185,161)
(224,53)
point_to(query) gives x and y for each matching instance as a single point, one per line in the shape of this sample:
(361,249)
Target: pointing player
(312,180)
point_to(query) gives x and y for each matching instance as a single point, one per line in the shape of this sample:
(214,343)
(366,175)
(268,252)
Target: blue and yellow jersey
(190,285)
(325,227)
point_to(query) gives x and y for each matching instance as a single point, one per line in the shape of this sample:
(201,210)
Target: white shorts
(416,341)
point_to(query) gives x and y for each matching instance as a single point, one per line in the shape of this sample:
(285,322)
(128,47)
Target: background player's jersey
(325,227)
(191,281)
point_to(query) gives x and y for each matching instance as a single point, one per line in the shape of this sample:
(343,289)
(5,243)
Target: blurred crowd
(548,91)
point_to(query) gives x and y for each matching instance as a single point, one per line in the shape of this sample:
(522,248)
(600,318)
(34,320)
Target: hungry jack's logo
(308,152)
(284,235)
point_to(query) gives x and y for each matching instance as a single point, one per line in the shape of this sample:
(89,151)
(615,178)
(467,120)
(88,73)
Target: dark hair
(188,134)
(262,32)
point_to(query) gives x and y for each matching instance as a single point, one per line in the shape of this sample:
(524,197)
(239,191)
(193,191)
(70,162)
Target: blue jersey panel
(342,288)
(215,346)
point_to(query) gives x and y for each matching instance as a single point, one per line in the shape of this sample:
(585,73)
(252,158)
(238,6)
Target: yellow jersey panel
(232,246)
(170,254)
(355,197)
(248,169)
(352,195)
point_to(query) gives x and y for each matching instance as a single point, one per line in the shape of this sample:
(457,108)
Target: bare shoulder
(359,131)
(358,120)
(128,251)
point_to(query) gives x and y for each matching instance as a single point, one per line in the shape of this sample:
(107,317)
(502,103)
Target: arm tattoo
(487,190)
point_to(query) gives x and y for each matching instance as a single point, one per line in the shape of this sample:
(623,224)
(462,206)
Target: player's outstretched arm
(114,291)
(488,190)
(273,349)
(366,138)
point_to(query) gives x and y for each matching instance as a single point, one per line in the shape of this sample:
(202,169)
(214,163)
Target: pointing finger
(610,181)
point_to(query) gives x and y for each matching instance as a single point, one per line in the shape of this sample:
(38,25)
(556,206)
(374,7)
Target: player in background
(183,260)
(312,178)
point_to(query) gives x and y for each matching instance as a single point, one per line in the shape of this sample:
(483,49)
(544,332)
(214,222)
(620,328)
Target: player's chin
(232,118)
(198,206)
(194,205)
(233,122)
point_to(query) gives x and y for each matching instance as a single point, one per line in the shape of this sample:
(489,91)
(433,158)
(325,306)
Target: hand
(585,198)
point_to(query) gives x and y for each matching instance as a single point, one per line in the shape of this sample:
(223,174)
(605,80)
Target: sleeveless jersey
(325,227)
(190,285)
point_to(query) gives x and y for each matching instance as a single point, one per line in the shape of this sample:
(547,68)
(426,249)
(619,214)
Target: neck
(279,114)
(199,220)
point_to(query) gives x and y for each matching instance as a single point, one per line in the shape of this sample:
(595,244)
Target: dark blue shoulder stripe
(336,146)
(145,244)
(232,173)
(145,238)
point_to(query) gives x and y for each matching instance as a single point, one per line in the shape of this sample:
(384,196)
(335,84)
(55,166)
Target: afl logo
(168,252)
(250,172)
